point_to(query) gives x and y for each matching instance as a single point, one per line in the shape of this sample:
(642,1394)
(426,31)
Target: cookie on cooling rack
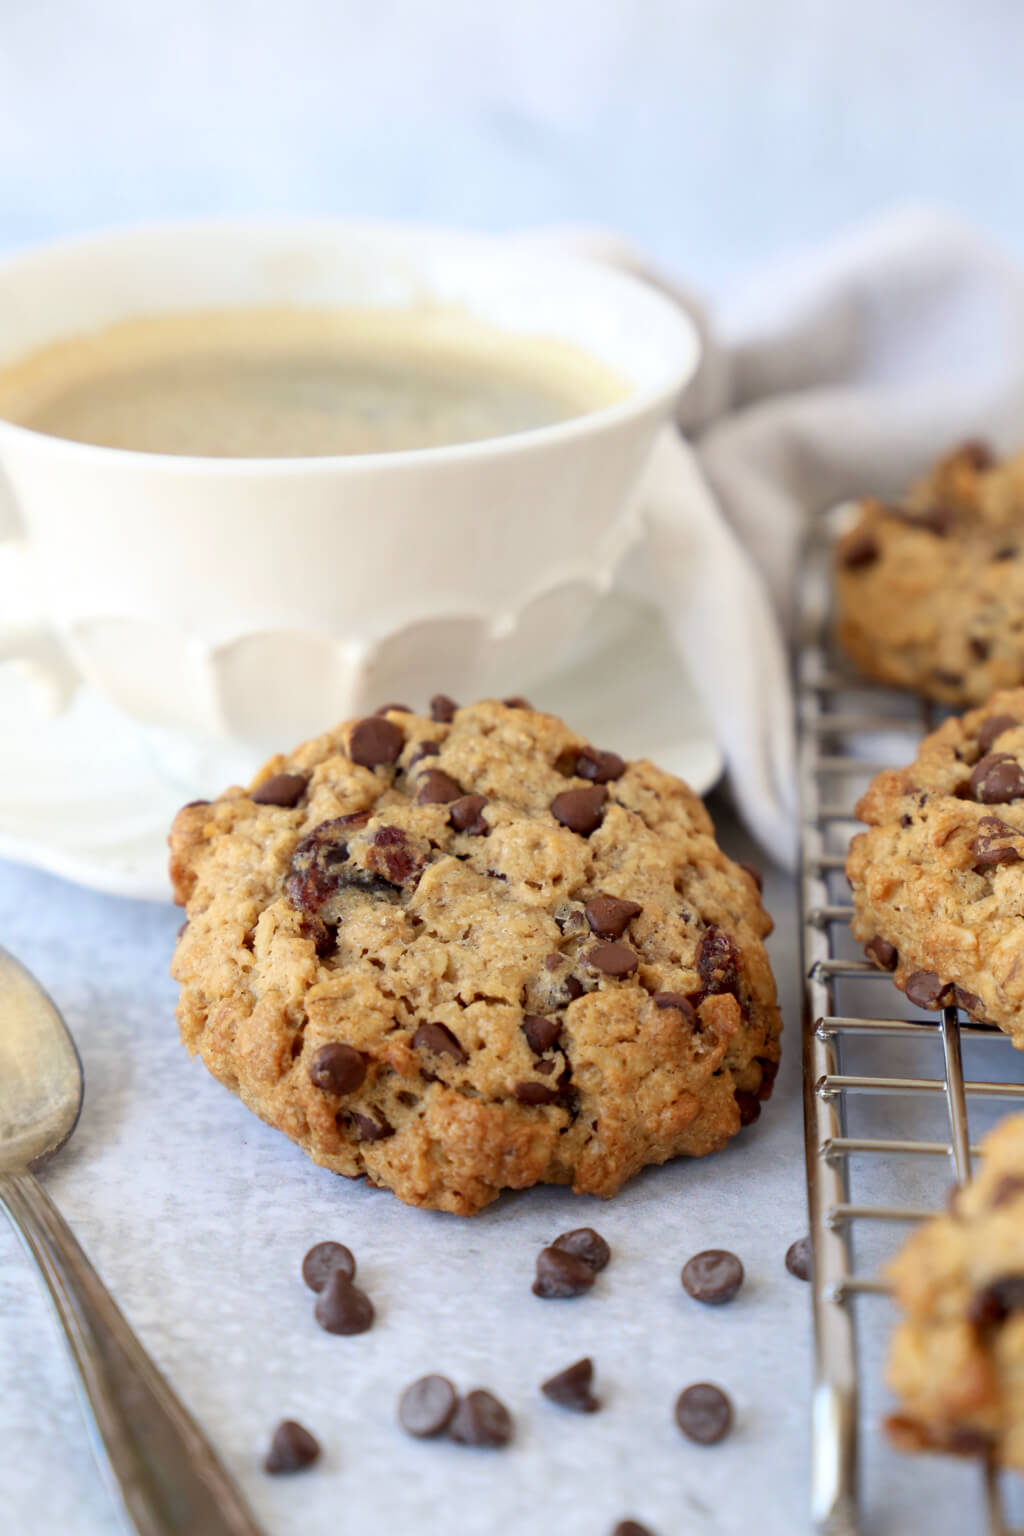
(930,591)
(471,952)
(956,1361)
(938,879)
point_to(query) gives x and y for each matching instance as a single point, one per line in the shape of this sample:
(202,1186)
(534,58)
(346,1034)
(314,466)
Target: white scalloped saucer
(89,794)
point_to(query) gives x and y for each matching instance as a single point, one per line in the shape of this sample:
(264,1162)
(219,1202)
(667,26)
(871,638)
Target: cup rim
(637,403)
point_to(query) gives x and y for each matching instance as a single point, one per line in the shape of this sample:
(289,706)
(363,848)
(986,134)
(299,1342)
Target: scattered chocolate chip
(749,1106)
(439,1039)
(713,1277)
(480,1419)
(609,916)
(993,1303)
(718,962)
(861,551)
(615,960)
(1008,1188)
(676,1000)
(322,1260)
(882,953)
(426,1406)
(437,788)
(581,810)
(442,709)
(375,741)
(292,1448)
(926,990)
(466,815)
(599,767)
(516,702)
(906,821)
(631,1528)
(993,728)
(574,988)
(997,779)
(324,938)
(337,1068)
(283,789)
(561,1274)
(535,1093)
(423,749)
(799,1261)
(980,649)
(586,1244)
(704,1413)
(398,709)
(754,873)
(573,1387)
(342,1307)
(540,1033)
(370,1128)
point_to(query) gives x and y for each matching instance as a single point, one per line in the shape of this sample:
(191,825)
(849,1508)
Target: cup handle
(27,638)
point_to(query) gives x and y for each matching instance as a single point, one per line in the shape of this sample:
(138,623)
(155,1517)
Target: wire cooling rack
(891,1102)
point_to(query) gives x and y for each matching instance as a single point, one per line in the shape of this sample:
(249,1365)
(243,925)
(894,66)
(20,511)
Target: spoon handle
(153,1454)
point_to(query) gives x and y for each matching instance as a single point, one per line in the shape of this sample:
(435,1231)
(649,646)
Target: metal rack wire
(847,732)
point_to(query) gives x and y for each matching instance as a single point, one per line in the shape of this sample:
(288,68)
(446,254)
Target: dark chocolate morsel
(561,1274)
(713,1277)
(342,1307)
(439,1039)
(586,1244)
(283,789)
(882,953)
(704,1413)
(292,1449)
(337,1068)
(581,810)
(442,709)
(573,1387)
(540,1033)
(426,1406)
(481,1419)
(610,916)
(374,741)
(437,788)
(321,1261)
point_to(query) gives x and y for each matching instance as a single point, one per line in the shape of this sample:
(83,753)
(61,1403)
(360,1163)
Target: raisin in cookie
(931,591)
(938,880)
(470,953)
(956,1361)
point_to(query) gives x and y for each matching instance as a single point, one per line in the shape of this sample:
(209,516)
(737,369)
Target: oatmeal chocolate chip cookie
(956,1361)
(474,953)
(938,879)
(931,591)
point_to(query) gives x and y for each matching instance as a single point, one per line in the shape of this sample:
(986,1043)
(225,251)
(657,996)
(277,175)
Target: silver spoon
(154,1456)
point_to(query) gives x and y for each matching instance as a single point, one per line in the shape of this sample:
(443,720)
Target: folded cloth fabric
(842,375)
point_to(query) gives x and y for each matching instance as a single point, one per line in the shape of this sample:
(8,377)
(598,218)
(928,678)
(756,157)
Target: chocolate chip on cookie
(426,1406)
(926,990)
(586,1244)
(678,1001)
(718,962)
(435,787)
(481,1419)
(799,1259)
(860,551)
(439,1039)
(704,1413)
(631,1528)
(992,1304)
(541,1034)
(573,1387)
(375,742)
(371,1127)
(282,789)
(337,1068)
(884,954)
(581,810)
(536,1093)
(599,767)
(561,1274)
(990,847)
(342,1307)
(322,1260)
(610,916)
(713,1277)
(991,730)
(997,779)
(292,1449)
(442,709)
(466,815)
(614,960)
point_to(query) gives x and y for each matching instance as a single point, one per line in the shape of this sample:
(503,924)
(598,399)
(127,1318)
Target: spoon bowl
(41,1081)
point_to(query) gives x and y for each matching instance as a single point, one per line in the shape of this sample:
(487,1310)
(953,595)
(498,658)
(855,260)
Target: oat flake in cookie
(422,991)
(956,1361)
(938,879)
(931,588)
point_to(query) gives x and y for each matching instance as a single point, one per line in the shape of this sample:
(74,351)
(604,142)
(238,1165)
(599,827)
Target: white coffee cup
(255,601)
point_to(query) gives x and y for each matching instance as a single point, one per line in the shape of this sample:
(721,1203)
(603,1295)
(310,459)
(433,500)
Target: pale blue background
(718,133)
